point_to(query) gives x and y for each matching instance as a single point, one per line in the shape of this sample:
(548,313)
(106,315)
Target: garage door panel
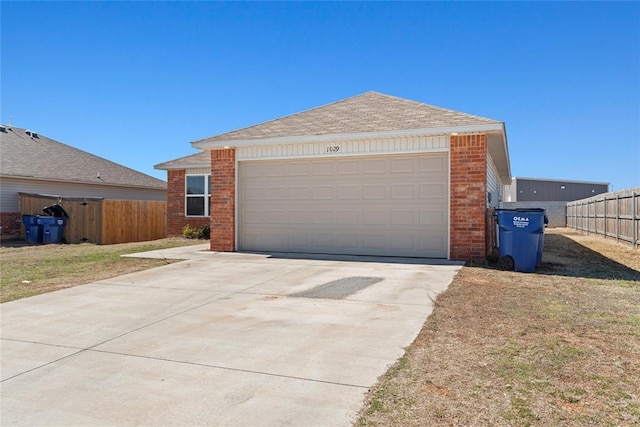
(349,168)
(299,192)
(374,166)
(374,191)
(403,218)
(323,217)
(323,168)
(436,190)
(349,218)
(298,217)
(432,218)
(349,192)
(432,243)
(394,205)
(323,192)
(403,191)
(432,164)
(405,165)
(298,169)
(375,218)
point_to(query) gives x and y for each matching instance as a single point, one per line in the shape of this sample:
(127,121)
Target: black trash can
(521,237)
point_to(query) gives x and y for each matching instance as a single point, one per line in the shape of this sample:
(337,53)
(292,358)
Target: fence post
(634,209)
(617,218)
(605,217)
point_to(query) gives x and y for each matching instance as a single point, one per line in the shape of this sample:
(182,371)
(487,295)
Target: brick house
(368,175)
(34,163)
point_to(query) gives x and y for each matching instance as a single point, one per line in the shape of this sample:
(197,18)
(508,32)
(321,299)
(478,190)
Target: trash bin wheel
(505,263)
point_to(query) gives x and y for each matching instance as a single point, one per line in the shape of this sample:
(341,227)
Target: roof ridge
(366,112)
(53,154)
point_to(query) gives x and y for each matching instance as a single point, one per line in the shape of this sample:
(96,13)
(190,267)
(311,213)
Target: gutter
(209,144)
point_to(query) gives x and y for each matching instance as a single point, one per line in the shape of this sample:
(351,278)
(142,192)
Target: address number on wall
(333,149)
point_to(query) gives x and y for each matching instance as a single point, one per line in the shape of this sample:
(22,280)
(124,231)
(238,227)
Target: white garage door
(391,206)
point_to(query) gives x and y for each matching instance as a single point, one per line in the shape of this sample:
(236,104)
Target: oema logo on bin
(520,221)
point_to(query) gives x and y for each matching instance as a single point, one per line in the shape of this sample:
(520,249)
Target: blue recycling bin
(32,230)
(521,237)
(52,228)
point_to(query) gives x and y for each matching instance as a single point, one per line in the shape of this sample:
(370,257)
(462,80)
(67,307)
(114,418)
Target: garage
(391,205)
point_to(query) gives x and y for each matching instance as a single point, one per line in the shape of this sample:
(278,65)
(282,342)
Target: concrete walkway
(220,339)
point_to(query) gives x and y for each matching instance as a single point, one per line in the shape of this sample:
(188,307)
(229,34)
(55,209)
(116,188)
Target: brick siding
(176,219)
(223,200)
(468,197)
(11,224)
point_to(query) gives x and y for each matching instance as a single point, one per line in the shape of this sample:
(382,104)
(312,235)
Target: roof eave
(66,181)
(165,167)
(208,144)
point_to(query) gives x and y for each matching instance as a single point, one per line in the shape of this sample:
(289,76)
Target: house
(550,194)
(369,175)
(34,163)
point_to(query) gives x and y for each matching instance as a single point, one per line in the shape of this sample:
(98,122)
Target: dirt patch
(557,347)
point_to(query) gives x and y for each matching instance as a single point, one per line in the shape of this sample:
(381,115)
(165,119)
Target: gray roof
(368,112)
(24,154)
(198,160)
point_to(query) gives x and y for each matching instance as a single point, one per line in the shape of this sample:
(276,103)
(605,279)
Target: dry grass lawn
(30,270)
(559,347)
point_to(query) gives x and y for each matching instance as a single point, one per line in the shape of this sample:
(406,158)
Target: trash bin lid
(55,210)
(521,209)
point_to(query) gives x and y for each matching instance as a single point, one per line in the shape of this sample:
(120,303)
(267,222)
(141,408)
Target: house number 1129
(333,149)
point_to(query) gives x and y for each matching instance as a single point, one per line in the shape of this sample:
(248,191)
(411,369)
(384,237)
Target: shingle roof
(35,156)
(368,112)
(201,159)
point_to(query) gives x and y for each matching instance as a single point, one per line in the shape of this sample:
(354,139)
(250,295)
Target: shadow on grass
(563,256)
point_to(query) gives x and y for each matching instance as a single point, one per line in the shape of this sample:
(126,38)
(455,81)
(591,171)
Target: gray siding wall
(10,187)
(555,211)
(527,190)
(494,185)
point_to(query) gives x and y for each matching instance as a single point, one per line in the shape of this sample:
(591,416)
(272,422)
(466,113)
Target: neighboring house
(33,163)
(369,175)
(550,194)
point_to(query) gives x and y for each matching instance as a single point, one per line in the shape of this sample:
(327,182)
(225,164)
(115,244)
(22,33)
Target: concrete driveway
(226,339)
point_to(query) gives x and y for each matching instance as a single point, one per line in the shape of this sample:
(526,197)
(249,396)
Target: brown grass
(557,347)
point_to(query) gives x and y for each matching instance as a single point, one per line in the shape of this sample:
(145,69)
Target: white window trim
(207,204)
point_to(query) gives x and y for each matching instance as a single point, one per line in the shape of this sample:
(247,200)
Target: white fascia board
(209,145)
(182,166)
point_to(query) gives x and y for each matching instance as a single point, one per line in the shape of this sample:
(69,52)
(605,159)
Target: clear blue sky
(137,82)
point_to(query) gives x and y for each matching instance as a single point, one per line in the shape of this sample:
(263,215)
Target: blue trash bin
(52,228)
(521,237)
(32,230)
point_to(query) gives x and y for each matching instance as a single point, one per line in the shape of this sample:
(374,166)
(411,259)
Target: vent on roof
(3,128)
(31,133)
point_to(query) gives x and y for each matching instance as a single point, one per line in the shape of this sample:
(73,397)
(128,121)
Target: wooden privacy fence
(103,221)
(612,215)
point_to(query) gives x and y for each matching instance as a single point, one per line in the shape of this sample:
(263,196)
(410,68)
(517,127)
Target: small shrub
(189,232)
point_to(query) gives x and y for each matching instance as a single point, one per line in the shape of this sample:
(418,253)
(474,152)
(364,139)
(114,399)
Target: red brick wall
(223,200)
(176,219)
(11,222)
(468,197)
